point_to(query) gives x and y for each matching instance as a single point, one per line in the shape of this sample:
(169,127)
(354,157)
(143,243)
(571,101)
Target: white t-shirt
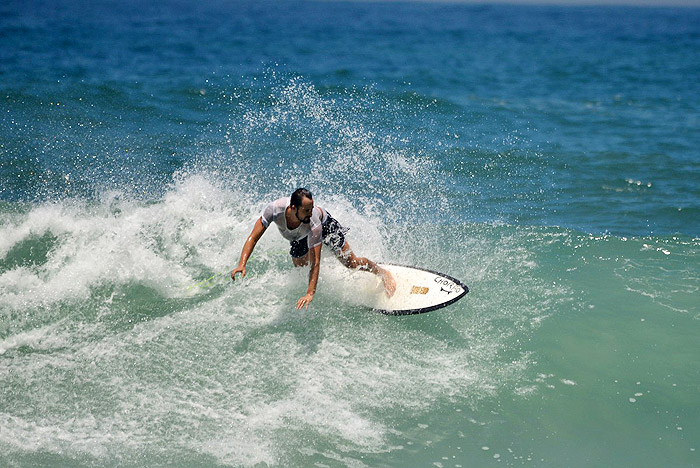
(274,212)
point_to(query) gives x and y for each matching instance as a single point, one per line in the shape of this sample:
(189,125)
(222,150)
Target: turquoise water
(545,156)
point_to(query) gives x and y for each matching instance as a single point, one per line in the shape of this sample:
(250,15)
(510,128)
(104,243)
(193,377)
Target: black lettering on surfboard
(446,285)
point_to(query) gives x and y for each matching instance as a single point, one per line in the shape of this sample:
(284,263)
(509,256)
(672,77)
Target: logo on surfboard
(419,290)
(447,286)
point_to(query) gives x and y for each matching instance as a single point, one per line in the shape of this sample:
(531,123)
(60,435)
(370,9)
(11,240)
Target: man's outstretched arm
(315,264)
(253,238)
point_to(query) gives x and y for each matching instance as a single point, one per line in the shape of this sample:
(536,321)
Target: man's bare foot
(389,282)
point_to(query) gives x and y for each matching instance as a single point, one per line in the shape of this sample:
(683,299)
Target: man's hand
(239,269)
(305,301)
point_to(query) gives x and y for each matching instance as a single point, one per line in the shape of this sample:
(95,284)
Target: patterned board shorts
(332,234)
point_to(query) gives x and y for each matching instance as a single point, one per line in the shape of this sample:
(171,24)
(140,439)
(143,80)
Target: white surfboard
(417,291)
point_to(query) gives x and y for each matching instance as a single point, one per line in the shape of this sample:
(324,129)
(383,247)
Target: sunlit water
(540,155)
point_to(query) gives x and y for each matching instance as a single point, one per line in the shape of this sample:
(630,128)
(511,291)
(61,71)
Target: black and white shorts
(332,234)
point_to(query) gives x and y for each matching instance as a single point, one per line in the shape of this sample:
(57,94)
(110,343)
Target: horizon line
(563,3)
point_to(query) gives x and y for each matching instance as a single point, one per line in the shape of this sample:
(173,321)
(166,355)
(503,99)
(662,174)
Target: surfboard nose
(418,290)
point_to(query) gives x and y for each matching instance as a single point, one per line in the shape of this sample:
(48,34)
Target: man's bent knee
(301,261)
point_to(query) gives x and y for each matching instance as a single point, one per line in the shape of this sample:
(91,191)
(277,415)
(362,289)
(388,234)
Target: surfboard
(417,291)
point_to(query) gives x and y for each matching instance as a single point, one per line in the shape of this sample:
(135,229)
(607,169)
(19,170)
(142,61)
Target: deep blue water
(547,156)
(588,114)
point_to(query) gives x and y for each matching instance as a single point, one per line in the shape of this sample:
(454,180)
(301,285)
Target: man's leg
(301,261)
(348,258)
(299,252)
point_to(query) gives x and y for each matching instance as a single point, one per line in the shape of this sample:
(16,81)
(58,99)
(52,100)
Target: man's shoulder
(281,201)
(274,209)
(316,217)
(320,212)
(279,204)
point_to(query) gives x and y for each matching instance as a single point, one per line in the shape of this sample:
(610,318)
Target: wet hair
(298,195)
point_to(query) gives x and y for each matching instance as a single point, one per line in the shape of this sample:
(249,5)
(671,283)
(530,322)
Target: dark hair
(298,195)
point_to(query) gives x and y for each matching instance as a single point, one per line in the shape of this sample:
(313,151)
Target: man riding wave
(307,228)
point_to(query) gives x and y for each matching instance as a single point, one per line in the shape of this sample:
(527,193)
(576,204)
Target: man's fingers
(233,274)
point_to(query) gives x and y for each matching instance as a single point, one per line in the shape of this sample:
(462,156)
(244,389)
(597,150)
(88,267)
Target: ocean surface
(548,157)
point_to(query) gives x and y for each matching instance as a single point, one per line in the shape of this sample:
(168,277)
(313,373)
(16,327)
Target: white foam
(85,434)
(237,373)
(43,338)
(119,241)
(233,371)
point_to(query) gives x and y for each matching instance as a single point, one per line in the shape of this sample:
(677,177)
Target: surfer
(307,227)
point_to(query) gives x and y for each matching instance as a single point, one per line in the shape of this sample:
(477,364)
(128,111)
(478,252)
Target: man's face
(303,212)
